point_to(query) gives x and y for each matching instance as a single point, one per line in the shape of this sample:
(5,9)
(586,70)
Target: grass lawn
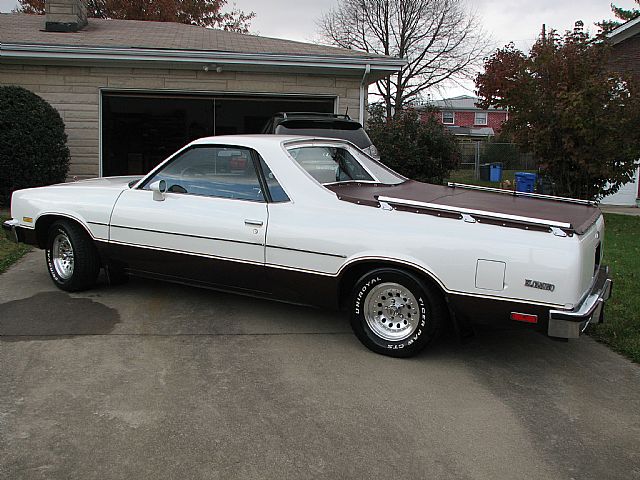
(466,176)
(621,330)
(9,251)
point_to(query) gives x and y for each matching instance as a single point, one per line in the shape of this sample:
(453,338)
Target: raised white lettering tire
(395,313)
(72,258)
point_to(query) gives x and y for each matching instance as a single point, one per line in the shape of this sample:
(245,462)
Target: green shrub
(33,144)
(419,149)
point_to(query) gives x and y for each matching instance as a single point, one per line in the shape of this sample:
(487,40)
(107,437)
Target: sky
(519,21)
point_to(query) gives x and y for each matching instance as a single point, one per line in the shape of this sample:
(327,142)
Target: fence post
(476,171)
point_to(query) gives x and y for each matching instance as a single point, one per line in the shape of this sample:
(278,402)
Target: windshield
(330,164)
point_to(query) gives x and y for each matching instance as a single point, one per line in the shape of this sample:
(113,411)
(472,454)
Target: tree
(33,144)
(620,13)
(569,110)
(205,13)
(421,150)
(438,38)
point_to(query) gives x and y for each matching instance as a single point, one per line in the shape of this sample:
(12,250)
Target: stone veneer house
(131,92)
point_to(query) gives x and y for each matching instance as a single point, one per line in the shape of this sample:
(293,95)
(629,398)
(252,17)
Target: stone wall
(75,93)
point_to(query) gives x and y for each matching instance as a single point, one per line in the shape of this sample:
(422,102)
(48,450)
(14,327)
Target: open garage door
(141,130)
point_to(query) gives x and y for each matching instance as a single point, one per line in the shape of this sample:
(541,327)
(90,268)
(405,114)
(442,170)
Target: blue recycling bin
(525,182)
(495,172)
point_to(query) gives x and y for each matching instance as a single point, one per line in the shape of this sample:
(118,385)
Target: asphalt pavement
(157,381)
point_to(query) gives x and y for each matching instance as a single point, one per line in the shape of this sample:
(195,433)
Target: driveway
(152,380)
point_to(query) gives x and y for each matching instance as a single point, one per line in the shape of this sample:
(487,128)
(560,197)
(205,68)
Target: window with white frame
(481,118)
(448,118)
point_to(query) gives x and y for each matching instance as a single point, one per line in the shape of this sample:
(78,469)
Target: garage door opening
(139,131)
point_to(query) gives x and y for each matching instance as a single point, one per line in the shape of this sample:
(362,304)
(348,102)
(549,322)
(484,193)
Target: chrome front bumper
(9,228)
(573,323)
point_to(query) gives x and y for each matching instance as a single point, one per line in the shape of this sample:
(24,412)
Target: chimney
(65,15)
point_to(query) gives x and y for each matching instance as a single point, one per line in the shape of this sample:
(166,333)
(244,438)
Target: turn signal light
(524,317)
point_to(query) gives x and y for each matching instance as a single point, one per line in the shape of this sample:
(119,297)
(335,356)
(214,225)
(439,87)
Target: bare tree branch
(440,40)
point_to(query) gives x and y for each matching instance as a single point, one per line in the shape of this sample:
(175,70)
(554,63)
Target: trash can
(525,182)
(495,172)
(485,172)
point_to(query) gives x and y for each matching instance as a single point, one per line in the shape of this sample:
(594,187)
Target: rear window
(355,134)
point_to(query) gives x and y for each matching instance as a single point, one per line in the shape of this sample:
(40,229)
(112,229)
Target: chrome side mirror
(158,188)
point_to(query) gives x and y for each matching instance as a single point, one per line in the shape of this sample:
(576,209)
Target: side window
(276,191)
(212,171)
(330,164)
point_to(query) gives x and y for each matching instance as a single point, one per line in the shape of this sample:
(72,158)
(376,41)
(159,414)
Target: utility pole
(544,33)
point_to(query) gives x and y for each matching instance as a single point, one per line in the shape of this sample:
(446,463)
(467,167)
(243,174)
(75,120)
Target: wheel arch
(44,222)
(350,274)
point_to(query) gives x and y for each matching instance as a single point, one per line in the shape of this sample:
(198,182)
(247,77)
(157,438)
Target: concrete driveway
(152,380)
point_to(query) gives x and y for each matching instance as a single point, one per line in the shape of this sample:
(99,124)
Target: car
(316,221)
(326,125)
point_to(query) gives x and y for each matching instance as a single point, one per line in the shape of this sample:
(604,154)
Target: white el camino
(316,221)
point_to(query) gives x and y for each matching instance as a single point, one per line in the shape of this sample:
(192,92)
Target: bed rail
(522,194)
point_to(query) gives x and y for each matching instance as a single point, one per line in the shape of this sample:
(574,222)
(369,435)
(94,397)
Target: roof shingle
(28,29)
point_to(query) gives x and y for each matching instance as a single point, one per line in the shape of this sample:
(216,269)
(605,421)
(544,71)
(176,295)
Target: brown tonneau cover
(580,216)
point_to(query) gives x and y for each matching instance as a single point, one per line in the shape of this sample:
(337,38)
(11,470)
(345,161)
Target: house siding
(467,118)
(75,92)
(626,56)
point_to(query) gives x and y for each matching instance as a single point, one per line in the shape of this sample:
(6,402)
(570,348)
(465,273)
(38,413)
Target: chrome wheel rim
(62,254)
(391,311)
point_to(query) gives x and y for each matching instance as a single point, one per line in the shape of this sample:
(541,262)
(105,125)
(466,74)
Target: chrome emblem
(541,285)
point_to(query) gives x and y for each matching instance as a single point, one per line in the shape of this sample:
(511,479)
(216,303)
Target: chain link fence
(476,156)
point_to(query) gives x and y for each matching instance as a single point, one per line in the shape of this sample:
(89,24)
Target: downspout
(363,87)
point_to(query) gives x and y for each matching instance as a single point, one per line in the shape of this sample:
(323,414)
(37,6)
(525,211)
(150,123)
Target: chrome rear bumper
(573,323)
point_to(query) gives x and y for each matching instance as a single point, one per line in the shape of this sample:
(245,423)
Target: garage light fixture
(217,68)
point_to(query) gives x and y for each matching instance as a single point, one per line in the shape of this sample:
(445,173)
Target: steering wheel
(192,172)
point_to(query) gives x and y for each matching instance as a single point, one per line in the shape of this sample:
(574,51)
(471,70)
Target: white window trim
(453,118)
(486,118)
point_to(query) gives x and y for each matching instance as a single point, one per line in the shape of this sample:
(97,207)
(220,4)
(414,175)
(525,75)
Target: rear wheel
(72,258)
(395,313)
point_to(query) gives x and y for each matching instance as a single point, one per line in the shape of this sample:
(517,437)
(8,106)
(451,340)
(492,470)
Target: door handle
(253,223)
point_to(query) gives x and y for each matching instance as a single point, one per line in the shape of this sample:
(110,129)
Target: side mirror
(158,188)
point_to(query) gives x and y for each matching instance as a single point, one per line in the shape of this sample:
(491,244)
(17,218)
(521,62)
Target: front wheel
(395,313)
(72,258)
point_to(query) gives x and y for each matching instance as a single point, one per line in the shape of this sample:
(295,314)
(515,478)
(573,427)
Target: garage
(130,92)
(139,130)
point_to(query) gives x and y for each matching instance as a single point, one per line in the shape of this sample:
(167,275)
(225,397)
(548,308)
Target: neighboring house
(625,41)
(132,92)
(463,117)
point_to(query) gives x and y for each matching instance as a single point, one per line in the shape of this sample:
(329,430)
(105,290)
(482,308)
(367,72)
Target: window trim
(266,194)
(486,118)
(453,118)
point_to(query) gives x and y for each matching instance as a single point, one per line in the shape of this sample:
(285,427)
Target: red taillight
(524,317)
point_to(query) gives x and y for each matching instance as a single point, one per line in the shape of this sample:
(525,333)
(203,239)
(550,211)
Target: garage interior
(141,130)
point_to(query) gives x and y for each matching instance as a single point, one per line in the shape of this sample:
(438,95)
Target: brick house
(463,117)
(625,42)
(131,92)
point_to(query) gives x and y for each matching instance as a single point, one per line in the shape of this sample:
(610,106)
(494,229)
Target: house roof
(22,36)
(625,31)
(462,102)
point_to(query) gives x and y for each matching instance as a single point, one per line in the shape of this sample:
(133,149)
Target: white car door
(209,227)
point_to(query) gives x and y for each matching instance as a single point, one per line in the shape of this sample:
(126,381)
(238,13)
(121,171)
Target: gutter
(624,31)
(140,55)
(363,87)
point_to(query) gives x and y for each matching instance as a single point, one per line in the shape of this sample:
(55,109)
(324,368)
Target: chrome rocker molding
(515,193)
(573,323)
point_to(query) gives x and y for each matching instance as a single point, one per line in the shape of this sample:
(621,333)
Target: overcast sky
(519,21)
